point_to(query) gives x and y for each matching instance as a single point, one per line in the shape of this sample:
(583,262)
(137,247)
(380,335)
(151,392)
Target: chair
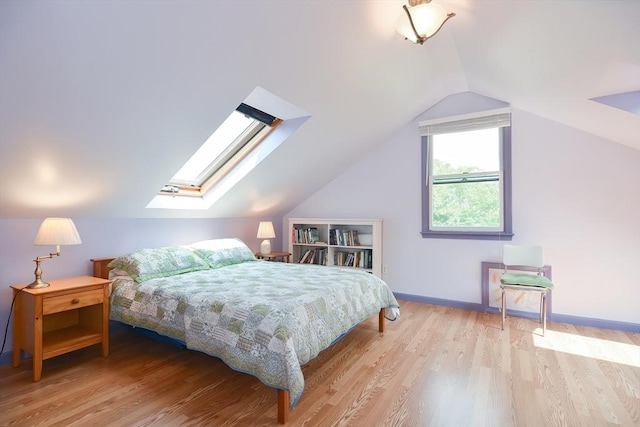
(525,256)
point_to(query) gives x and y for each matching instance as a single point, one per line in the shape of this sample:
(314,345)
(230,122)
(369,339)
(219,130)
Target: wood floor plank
(436,366)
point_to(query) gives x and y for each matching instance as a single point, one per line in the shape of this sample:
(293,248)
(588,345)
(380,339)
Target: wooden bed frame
(101,270)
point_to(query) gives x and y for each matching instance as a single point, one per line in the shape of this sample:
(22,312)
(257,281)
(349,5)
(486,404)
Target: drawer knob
(75,300)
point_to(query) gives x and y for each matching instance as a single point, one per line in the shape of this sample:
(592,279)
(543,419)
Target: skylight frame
(245,138)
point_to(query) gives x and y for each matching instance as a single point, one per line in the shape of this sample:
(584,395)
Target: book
(313,235)
(356,240)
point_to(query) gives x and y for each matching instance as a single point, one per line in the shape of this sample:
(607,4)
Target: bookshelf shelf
(353,243)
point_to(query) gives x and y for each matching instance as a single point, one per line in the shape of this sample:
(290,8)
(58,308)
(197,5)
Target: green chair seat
(526,280)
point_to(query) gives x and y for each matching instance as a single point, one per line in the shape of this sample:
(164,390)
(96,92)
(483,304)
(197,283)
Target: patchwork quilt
(262,318)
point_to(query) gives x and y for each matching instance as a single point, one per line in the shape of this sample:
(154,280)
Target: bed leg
(283,406)
(381,324)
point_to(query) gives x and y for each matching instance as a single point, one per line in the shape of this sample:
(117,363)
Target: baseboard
(596,323)
(561,318)
(437,301)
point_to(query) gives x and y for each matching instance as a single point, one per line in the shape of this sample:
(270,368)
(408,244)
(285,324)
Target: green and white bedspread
(262,318)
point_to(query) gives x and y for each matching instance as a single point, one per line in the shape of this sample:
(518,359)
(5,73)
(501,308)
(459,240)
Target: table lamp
(53,231)
(266,232)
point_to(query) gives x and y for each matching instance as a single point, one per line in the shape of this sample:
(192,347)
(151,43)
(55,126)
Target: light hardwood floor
(436,366)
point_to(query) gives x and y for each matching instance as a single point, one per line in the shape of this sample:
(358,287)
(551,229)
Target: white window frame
(500,118)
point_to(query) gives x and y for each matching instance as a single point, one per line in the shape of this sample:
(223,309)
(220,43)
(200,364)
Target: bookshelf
(355,243)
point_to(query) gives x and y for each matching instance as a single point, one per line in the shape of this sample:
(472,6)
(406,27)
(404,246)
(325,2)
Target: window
(240,133)
(466,175)
(251,133)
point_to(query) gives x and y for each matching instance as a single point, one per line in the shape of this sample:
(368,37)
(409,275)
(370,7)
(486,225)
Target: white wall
(576,194)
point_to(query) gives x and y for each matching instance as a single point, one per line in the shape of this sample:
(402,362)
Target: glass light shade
(57,231)
(427,18)
(265,230)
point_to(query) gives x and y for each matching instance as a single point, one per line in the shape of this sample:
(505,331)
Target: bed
(263,318)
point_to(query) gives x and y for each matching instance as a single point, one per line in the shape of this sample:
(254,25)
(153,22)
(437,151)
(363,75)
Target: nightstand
(68,315)
(273,256)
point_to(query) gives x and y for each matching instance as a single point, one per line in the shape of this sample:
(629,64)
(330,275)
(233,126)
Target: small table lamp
(53,231)
(266,232)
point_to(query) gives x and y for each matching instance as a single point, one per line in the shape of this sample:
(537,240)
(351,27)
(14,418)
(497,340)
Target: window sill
(471,235)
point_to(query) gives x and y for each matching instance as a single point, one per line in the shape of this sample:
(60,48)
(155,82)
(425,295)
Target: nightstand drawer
(72,301)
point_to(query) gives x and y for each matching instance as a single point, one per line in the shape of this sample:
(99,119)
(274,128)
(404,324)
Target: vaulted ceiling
(101,102)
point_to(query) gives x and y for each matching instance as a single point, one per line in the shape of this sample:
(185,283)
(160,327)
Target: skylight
(240,133)
(628,101)
(246,137)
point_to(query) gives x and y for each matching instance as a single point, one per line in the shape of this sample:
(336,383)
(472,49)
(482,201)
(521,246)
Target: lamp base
(38,283)
(265,247)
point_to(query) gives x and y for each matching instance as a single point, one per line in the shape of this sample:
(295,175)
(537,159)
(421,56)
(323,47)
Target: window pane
(472,151)
(474,204)
(223,137)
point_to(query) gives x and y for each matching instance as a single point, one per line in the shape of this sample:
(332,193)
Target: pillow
(116,272)
(147,264)
(221,252)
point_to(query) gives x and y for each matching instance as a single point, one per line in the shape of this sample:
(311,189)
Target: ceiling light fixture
(424,20)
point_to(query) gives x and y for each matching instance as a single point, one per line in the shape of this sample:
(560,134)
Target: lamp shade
(427,19)
(265,230)
(57,231)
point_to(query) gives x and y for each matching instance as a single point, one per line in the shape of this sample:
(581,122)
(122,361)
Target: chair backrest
(530,256)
